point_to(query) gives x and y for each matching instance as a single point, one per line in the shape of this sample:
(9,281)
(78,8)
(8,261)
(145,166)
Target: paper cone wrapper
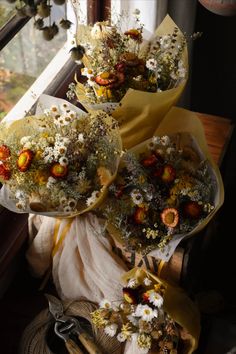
(139,113)
(179,307)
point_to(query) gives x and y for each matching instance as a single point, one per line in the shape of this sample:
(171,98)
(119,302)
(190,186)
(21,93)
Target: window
(29,63)
(36,71)
(7,11)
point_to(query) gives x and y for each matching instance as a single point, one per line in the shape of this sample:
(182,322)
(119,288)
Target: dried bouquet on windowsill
(117,60)
(58,162)
(164,191)
(137,81)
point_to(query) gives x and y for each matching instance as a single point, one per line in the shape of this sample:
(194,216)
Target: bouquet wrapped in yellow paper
(137,81)
(151,317)
(167,188)
(58,162)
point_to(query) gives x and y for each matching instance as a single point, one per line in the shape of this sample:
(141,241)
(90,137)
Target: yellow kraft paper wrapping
(178,305)
(181,120)
(139,113)
(185,124)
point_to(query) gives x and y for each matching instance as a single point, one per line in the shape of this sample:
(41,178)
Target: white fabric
(84,266)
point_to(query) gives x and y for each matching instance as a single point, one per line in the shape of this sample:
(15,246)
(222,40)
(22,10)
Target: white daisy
(63,161)
(147,281)
(156,299)
(51,181)
(111,329)
(105,304)
(19,194)
(132,283)
(165,41)
(81,138)
(156,140)
(54,109)
(151,64)
(165,140)
(136,196)
(25,139)
(145,312)
(93,198)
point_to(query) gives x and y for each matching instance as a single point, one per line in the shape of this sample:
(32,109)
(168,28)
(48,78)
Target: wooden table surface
(218,131)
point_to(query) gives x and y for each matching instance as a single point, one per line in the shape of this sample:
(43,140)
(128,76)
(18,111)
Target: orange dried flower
(170,217)
(140,215)
(4,152)
(5,173)
(24,160)
(58,171)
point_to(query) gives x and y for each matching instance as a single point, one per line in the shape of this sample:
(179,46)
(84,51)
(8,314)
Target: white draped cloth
(83,266)
(81,257)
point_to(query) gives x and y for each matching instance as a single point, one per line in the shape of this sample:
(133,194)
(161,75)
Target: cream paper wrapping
(180,121)
(139,113)
(84,267)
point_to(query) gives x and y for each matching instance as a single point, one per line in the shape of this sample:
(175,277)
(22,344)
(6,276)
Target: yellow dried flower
(144,341)
(98,320)
(41,177)
(126,330)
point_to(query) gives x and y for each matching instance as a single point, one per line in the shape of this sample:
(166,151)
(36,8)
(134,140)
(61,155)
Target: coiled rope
(36,336)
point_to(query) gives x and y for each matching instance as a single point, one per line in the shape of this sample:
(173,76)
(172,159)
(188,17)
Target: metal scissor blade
(55,306)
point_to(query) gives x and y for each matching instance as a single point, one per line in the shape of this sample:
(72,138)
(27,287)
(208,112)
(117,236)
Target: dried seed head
(43,10)
(38,24)
(47,33)
(30,11)
(77,53)
(65,24)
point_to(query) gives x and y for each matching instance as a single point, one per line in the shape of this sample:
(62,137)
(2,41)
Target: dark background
(213,91)
(214,64)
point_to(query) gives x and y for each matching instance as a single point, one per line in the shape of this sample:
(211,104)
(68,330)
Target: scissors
(65,326)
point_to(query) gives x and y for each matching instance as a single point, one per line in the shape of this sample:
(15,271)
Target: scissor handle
(88,343)
(72,347)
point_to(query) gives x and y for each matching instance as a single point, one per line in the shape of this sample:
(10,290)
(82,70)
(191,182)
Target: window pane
(7,10)
(23,60)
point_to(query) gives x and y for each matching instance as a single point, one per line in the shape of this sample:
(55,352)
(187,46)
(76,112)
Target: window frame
(14,226)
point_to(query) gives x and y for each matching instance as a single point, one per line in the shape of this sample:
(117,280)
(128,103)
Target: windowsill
(46,79)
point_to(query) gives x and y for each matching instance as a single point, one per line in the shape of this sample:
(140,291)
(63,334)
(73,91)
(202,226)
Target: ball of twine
(35,336)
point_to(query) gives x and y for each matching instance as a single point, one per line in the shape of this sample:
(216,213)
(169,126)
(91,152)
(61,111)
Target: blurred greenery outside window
(6,12)
(26,56)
